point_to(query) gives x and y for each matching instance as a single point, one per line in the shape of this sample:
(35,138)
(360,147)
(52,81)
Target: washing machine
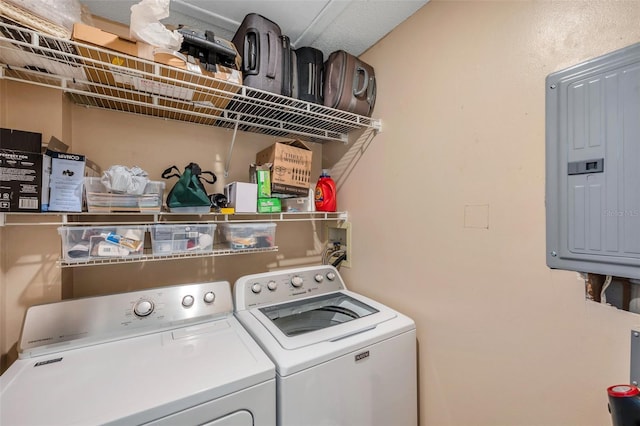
(341,358)
(165,356)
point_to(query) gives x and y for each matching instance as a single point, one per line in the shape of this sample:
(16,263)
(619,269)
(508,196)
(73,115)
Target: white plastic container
(99,200)
(170,239)
(85,243)
(241,236)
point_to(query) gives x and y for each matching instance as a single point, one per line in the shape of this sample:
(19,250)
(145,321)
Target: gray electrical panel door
(593,165)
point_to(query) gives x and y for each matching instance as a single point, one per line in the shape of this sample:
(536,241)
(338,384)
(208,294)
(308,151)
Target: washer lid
(134,380)
(328,317)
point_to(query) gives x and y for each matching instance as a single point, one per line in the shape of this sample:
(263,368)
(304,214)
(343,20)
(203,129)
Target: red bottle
(325,196)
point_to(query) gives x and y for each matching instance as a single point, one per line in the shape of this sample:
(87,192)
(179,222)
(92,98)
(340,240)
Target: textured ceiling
(328,25)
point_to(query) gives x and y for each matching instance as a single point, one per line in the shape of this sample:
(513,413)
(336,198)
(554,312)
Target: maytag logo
(47,362)
(362,356)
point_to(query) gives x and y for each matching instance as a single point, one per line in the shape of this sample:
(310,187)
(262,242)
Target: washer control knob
(209,297)
(256,288)
(297,281)
(143,307)
(272,285)
(187,301)
(331,276)
(319,278)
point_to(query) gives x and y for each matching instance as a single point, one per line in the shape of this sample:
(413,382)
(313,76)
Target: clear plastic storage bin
(99,200)
(84,243)
(240,236)
(168,239)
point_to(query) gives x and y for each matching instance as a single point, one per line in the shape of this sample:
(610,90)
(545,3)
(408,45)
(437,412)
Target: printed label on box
(162,89)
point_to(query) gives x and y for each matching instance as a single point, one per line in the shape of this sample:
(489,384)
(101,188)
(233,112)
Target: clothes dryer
(164,356)
(341,358)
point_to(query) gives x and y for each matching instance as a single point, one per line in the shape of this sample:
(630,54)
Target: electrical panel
(593,165)
(635,357)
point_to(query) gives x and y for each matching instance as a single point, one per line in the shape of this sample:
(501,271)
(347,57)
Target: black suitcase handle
(250,52)
(272,67)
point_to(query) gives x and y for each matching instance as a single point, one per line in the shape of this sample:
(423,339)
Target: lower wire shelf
(86,218)
(151,257)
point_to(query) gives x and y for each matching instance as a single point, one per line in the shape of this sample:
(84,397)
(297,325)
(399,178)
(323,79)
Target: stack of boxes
(266,203)
(281,175)
(290,166)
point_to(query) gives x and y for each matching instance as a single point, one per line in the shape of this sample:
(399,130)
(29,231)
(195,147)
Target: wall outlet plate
(341,233)
(635,357)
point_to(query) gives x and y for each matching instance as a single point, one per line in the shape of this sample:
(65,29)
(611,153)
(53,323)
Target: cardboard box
(194,84)
(290,164)
(20,140)
(20,171)
(263,179)
(269,205)
(91,169)
(242,196)
(261,175)
(66,181)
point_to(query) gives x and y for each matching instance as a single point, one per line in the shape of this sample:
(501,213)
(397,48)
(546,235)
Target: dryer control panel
(280,286)
(81,322)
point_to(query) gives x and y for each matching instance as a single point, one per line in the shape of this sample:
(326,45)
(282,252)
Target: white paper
(66,184)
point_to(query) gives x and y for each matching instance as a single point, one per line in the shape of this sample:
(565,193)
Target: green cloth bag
(189,190)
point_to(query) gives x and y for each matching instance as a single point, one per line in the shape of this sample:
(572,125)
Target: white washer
(164,356)
(341,358)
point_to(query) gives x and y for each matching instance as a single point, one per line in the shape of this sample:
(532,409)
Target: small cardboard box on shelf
(269,205)
(242,196)
(20,171)
(65,179)
(261,175)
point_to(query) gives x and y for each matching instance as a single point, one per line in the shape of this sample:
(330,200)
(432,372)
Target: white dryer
(341,358)
(164,356)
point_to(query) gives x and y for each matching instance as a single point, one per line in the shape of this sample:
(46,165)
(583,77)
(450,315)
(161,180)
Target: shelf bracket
(227,164)
(342,169)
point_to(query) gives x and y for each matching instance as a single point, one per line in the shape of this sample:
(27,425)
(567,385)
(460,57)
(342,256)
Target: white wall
(447,206)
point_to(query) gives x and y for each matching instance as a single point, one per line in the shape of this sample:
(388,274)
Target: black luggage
(259,43)
(294,74)
(287,66)
(209,49)
(349,84)
(310,70)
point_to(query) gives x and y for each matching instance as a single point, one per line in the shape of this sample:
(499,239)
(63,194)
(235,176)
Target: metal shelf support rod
(227,164)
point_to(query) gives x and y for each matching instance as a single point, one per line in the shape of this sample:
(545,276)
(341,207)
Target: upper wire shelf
(103,78)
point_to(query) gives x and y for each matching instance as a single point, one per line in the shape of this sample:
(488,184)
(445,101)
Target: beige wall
(451,229)
(28,270)
(447,207)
